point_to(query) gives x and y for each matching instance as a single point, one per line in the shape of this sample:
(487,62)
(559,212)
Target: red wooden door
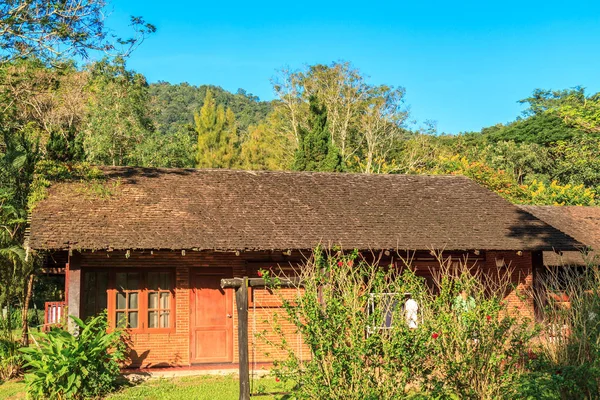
(212,321)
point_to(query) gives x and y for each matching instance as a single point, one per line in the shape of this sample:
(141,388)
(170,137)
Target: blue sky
(463,64)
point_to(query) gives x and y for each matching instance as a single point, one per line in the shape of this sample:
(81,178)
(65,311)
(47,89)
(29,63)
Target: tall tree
(380,122)
(316,151)
(352,104)
(574,106)
(41,118)
(217,135)
(51,30)
(265,149)
(117,114)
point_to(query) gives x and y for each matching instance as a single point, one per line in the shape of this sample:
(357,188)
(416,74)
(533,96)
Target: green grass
(12,390)
(196,388)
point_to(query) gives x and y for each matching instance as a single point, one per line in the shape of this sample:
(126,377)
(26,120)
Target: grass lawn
(12,390)
(196,388)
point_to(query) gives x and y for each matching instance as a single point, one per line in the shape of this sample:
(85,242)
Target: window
(139,300)
(159,299)
(381,308)
(127,304)
(95,286)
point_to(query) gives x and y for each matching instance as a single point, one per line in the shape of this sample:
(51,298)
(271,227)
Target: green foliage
(364,120)
(52,30)
(117,118)
(173,106)
(577,161)
(539,128)
(350,316)
(11,360)
(573,106)
(217,135)
(560,195)
(316,151)
(173,150)
(66,366)
(569,358)
(264,149)
(524,161)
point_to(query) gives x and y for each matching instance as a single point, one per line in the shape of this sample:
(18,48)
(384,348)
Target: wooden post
(74,289)
(241,301)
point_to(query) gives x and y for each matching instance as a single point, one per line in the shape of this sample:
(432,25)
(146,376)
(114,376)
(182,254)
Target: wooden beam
(235,283)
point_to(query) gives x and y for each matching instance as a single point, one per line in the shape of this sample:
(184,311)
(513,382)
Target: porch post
(73,288)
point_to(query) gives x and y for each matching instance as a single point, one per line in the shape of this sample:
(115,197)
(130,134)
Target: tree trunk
(25,325)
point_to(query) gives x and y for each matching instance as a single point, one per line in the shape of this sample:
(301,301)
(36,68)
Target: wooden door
(212,316)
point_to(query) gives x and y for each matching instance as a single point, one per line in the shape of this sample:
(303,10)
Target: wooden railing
(54,313)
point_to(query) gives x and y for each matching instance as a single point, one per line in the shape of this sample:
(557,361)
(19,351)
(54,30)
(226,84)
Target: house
(153,246)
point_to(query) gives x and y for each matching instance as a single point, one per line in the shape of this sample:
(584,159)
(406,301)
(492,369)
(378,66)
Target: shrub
(349,314)
(571,349)
(66,366)
(35,317)
(11,360)
(480,351)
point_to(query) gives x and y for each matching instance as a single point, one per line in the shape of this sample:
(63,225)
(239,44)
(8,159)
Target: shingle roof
(579,222)
(245,210)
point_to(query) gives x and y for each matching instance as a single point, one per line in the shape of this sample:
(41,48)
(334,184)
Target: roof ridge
(275,172)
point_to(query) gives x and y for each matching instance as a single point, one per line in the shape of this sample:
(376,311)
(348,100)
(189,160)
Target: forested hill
(173,105)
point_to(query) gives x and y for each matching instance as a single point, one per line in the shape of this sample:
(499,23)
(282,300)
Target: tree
(316,152)
(173,150)
(291,104)
(577,161)
(351,103)
(343,91)
(117,117)
(540,128)
(51,30)
(522,160)
(43,101)
(49,101)
(380,123)
(265,149)
(217,135)
(573,106)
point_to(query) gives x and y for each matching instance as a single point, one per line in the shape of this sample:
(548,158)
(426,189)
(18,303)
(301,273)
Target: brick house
(154,246)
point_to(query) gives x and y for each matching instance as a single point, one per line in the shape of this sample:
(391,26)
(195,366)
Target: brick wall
(171,349)
(521,299)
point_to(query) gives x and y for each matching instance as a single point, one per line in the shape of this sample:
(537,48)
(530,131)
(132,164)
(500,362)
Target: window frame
(159,291)
(386,325)
(127,292)
(143,291)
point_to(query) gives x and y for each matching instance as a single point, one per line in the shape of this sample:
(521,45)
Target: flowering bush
(350,315)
